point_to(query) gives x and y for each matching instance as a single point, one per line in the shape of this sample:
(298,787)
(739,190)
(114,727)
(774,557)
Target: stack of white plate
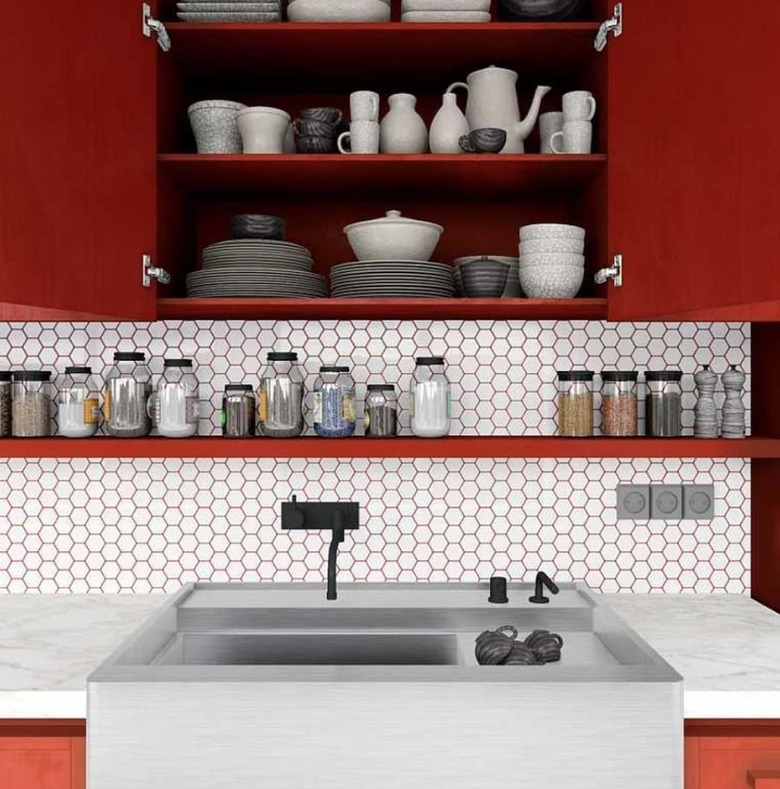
(445,11)
(392,279)
(256,268)
(230,11)
(338,11)
(552,263)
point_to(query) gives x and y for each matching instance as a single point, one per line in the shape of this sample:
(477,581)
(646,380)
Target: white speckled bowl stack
(551,263)
(445,11)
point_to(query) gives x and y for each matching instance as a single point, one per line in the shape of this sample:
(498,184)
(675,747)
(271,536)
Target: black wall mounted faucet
(337,516)
(543,580)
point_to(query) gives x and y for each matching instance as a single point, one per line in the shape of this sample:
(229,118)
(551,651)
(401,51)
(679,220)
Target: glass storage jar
(663,406)
(380,415)
(575,403)
(31,403)
(78,410)
(430,398)
(126,393)
(174,406)
(619,403)
(280,397)
(238,411)
(5,403)
(334,403)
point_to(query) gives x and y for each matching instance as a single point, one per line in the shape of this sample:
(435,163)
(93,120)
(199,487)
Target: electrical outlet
(666,502)
(633,502)
(699,502)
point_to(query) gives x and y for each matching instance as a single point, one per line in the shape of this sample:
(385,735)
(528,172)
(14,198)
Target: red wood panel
(77,159)
(691,767)
(78,765)
(402,446)
(764,779)
(733,763)
(35,763)
(692,169)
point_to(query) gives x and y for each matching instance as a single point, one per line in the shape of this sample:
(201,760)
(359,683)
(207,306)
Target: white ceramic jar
(448,126)
(402,129)
(430,398)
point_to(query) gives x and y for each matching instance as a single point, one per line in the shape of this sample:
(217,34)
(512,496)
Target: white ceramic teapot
(492,103)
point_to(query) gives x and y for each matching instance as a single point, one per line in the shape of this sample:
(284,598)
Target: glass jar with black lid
(619,403)
(280,396)
(126,393)
(380,414)
(238,411)
(575,403)
(663,405)
(78,410)
(31,403)
(334,402)
(5,403)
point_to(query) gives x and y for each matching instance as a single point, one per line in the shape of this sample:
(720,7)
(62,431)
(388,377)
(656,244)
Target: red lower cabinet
(739,761)
(42,763)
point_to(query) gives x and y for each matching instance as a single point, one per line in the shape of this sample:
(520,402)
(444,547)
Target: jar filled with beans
(619,403)
(575,403)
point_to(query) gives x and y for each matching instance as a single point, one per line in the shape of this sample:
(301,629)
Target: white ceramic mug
(364,105)
(264,129)
(578,105)
(576,137)
(363,137)
(549,124)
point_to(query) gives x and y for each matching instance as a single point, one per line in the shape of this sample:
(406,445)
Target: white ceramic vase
(448,126)
(402,129)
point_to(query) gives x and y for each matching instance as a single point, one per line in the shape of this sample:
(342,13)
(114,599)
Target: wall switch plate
(633,502)
(699,502)
(666,502)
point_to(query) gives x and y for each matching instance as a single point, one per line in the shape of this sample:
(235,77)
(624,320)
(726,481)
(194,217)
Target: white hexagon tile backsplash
(143,525)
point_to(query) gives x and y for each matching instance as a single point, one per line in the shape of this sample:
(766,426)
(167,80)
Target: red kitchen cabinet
(42,763)
(97,164)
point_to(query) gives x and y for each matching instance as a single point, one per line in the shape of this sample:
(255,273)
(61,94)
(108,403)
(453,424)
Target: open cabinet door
(694,160)
(77,160)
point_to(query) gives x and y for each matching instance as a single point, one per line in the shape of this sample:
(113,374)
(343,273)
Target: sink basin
(272,686)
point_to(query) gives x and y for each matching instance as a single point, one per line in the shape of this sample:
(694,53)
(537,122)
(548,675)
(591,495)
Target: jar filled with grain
(31,403)
(5,403)
(619,402)
(575,403)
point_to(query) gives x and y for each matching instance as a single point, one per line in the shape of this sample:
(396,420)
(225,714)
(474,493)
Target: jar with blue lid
(334,403)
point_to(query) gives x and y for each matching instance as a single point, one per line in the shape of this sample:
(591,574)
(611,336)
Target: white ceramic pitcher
(492,103)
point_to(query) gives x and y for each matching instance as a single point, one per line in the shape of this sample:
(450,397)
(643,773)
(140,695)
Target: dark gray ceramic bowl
(257,226)
(483,141)
(312,128)
(484,278)
(310,144)
(325,114)
(539,10)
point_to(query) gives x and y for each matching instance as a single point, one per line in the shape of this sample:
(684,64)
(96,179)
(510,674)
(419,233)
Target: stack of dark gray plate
(392,279)
(230,11)
(256,268)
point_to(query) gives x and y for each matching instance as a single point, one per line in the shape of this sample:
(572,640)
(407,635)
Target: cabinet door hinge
(613,25)
(151,25)
(614,272)
(150,272)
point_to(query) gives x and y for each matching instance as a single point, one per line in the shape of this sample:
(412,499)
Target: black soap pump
(498,590)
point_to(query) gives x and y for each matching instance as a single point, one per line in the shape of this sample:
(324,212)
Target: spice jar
(380,415)
(126,393)
(280,397)
(5,403)
(78,411)
(663,406)
(31,403)
(430,398)
(238,411)
(575,403)
(174,407)
(619,403)
(334,403)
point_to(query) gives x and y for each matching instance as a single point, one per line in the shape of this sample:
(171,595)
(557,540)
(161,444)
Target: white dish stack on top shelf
(445,11)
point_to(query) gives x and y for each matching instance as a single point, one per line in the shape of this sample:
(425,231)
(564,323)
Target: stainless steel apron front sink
(273,687)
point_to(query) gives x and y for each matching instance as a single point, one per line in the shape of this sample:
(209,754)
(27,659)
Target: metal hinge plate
(613,25)
(614,272)
(150,272)
(151,25)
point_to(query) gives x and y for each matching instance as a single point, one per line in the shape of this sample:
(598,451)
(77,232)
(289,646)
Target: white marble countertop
(50,643)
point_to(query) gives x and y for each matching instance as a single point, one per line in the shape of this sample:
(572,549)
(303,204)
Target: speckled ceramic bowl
(551,230)
(551,282)
(532,246)
(552,259)
(215,126)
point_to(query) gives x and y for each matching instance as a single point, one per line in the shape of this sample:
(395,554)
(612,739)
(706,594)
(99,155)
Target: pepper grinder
(733,423)
(706,412)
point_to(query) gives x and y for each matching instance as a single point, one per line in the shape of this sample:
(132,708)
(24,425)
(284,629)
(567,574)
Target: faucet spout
(333,552)
(543,580)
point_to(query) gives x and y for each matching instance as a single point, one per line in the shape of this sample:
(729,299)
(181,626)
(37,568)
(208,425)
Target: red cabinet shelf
(401,447)
(366,175)
(382,309)
(393,49)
